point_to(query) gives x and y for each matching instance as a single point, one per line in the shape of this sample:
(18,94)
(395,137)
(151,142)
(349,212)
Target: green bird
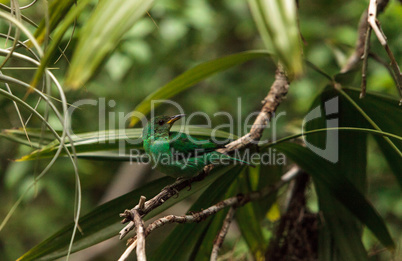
(177,155)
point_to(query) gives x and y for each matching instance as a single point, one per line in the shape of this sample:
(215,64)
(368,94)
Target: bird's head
(160,125)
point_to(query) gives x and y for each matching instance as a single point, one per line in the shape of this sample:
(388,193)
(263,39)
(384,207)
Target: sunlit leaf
(277,23)
(57,11)
(65,23)
(101,34)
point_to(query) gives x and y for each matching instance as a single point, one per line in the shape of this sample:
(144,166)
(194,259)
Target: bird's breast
(159,147)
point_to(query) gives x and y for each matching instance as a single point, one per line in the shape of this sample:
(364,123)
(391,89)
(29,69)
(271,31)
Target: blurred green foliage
(176,36)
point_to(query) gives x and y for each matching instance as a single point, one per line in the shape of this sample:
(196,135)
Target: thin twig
(234,202)
(373,22)
(222,233)
(141,203)
(381,61)
(365,62)
(139,227)
(28,5)
(386,66)
(157,200)
(356,57)
(276,94)
(369,20)
(130,248)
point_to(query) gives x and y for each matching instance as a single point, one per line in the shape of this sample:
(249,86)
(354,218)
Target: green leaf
(20,140)
(352,146)
(385,112)
(35,134)
(37,137)
(341,231)
(23,17)
(326,130)
(193,76)
(325,173)
(249,226)
(101,34)
(369,119)
(202,250)
(183,239)
(276,21)
(204,246)
(98,225)
(57,11)
(30,109)
(247,218)
(74,12)
(268,175)
(104,222)
(98,144)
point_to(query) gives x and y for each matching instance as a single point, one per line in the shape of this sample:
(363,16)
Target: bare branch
(139,240)
(355,58)
(196,217)
(131,246)
(139,225)
(373,22)
(222,233)
(365,62)
(275,96)
(296,234)
(369,20)
(157,200)
(141,203)
(372,17)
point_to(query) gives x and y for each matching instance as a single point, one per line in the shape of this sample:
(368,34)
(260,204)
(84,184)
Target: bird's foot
(172,188)
(176,192)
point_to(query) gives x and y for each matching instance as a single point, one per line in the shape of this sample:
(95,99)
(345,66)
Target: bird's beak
(175,118)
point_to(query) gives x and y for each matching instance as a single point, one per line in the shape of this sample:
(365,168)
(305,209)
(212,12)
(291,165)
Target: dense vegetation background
(174,37)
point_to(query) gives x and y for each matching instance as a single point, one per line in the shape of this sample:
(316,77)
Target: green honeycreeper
(177,155)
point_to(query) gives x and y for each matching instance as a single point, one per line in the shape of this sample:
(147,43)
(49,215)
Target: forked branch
(233,202)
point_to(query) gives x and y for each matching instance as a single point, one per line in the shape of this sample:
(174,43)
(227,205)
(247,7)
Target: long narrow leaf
(122,140)
(385,112)
(340,187)
(104,222)
(247,218)
(180,243)
(277,23)
(101,34)
(57,11)
(57,37)
(371,121)
(341,231)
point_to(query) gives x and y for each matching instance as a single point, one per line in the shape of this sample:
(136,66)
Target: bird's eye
(161,122)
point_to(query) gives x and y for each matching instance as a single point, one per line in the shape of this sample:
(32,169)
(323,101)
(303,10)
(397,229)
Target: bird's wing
(181,143)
